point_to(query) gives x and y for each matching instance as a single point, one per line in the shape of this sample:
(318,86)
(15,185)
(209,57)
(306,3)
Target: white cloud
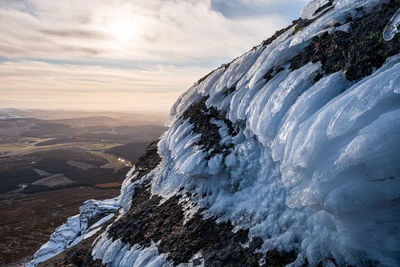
(90,87)
(152,45)
(161,30)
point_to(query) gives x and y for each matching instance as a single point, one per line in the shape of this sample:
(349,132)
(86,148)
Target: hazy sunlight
(123,29)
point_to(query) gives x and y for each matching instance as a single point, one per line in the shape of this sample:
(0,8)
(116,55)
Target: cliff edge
(288,155)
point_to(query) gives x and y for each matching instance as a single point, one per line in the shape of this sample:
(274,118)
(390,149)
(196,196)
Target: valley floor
(27,220)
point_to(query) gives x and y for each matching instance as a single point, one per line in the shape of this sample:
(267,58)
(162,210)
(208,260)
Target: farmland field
(49,167)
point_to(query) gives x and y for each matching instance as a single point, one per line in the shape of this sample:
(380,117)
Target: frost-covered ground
(309,162)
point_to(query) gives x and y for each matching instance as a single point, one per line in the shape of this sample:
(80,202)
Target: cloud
(153,46)
(161,30)
(74,33)
(242,8)
(152,88)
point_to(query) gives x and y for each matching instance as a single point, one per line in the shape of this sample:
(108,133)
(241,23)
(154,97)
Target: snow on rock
(76,228)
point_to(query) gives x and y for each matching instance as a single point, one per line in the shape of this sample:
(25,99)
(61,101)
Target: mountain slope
(290,154)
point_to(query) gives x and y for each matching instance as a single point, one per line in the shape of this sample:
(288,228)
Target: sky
(130,55)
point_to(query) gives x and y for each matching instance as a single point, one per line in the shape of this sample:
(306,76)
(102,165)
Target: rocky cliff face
(290,154)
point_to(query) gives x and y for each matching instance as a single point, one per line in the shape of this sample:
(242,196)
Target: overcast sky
(124,55)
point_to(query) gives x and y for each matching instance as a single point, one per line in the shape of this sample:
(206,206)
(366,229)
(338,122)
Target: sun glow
(123,30)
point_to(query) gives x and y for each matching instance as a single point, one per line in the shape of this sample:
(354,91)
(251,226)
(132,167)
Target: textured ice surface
(116,253)
(76,229)
(309,10)
(194,94)
(127,190)
(392,27)
(315,166)
(352,4)
(92,208)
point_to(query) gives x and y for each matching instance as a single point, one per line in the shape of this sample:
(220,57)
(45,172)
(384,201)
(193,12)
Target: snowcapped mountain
(289,155)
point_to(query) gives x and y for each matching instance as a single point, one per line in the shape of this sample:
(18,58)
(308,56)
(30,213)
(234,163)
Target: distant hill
(126,117)
(130,151)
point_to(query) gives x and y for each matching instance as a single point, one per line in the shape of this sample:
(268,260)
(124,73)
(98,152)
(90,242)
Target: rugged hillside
(290,154)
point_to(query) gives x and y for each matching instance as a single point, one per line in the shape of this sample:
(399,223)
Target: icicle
(392,27)
(309,10)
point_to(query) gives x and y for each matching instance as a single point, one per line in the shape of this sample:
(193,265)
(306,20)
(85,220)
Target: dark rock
(256,243)
(200,117)
(230,90)
(148,161)
(358,52)
(271,73)
(149,221)
(329,4)
(76,256)
(277,34)
(80,256)
(279,258)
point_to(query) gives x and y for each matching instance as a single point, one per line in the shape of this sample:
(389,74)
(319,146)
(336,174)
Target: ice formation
(127,189)
(309,10)
(116,253)
(76,228)
(325,172)
(313,164)
(313,161)
(393,27)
